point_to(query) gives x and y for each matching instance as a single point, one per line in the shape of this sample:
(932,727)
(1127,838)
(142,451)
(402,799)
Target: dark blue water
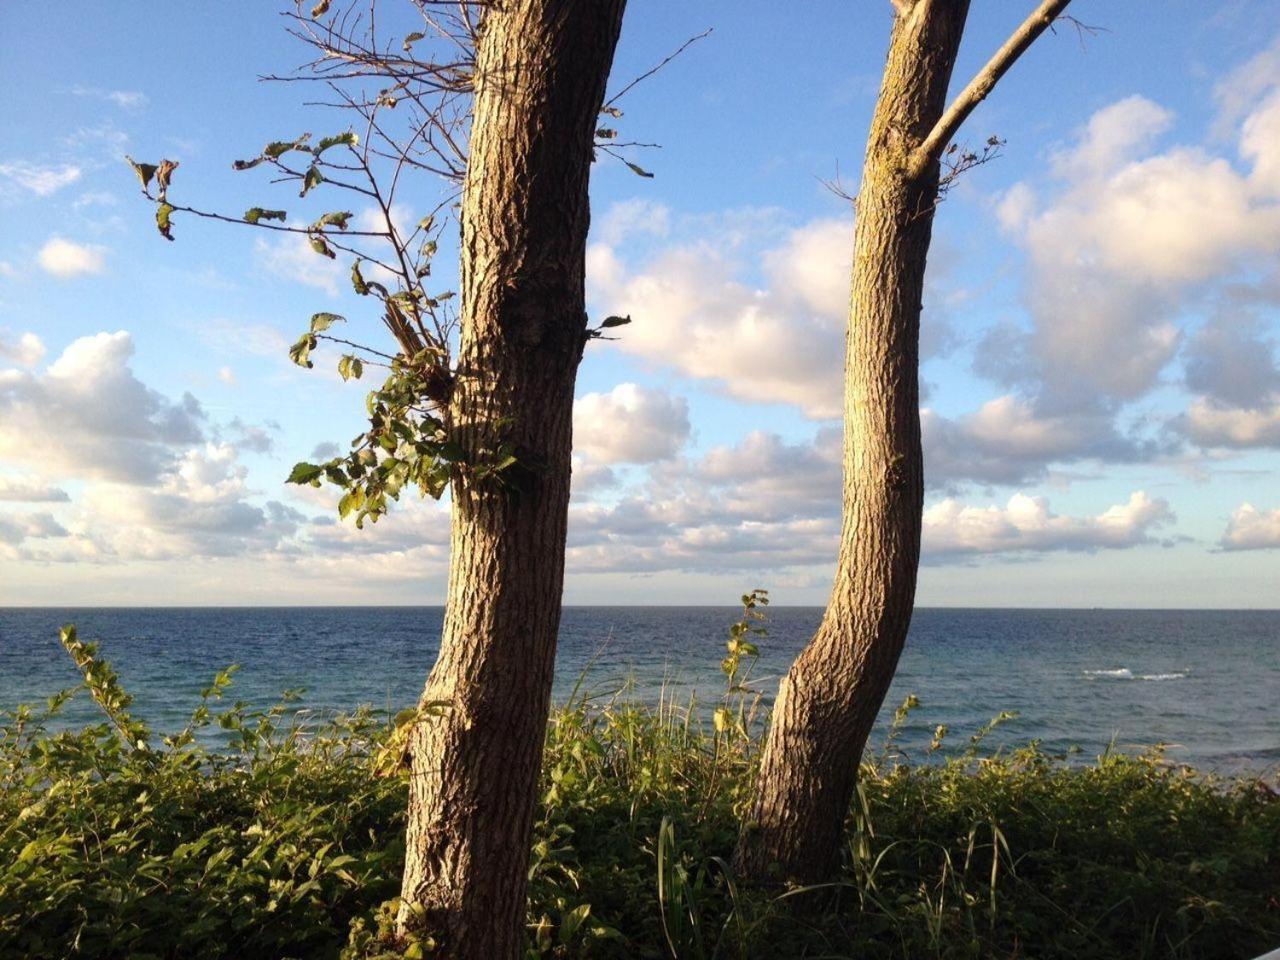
(1206,682)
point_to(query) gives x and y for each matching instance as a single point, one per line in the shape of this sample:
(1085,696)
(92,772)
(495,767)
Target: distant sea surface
(1205,682)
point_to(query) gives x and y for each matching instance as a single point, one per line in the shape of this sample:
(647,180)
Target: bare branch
(649,73)
(981,85)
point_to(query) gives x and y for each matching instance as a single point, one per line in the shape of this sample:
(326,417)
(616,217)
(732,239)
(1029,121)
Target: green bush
(286,841)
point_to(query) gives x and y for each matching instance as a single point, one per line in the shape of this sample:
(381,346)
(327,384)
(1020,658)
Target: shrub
(285,840)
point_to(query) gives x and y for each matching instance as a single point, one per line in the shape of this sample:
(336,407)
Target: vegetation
(287,841)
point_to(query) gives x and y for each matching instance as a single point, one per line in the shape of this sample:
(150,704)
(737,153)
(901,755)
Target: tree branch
(981,85)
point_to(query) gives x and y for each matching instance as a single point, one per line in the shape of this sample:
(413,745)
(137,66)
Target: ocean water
(1207,683)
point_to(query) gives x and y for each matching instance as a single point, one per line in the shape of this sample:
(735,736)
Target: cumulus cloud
(30,490)
(16,529)
(757,309)
(1008,441)
(1252,529)
(760,504)
(88,415)
(1027,525)
(40,179)
(630,424)
(199,508)
(1127,237)
(65,258)
(692,311)
(26,350)
(769,506)
(1231,365)
(1212,424)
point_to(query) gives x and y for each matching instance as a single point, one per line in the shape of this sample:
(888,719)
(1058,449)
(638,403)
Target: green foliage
(164,210)
(254,215)
(286,841)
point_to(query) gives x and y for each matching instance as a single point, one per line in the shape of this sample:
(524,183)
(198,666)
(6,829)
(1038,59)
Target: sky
(1100,383)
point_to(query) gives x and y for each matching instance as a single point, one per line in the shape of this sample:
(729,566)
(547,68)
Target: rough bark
(829,699)
(541,72)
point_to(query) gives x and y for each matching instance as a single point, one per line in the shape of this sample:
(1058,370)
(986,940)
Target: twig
(649,73)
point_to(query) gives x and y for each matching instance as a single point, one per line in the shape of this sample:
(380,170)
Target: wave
(1124,673)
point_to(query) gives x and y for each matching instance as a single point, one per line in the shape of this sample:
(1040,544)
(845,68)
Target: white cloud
(630,424)
(1252,529)
(197,509)
(1114,135)
(125,99)
(40,179)
(239,337)
(1130,236)
(26,351)
(87,415)
(227,376)
(16,529)
(289,255)
(65,258)
(1008,441)
(1027,525)
(690,310)
(1212,424)
(30,490)
(630,217)
(762,504)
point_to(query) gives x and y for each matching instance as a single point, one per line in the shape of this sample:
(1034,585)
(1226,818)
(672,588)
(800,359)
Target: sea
(1204,684)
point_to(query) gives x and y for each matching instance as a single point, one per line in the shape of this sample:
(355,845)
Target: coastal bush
(273,833)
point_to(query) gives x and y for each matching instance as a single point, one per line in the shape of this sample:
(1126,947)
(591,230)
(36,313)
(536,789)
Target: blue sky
(1102,400)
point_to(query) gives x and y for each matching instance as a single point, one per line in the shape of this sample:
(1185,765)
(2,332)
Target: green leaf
(357,280)
(246,164)
(411,39)
(145,171)
(313,178)
(346,505)
(452,452)
(572,920)
(254,214)
(350,367)
(319,246)
(300,352)
(162,219)
(305,472)
(321,322)
(338,219)
(278,148)
(638,171)
(612,111)
(615,322)
(349,138)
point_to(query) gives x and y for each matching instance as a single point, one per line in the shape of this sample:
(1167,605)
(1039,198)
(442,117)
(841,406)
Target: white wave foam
(1124,673)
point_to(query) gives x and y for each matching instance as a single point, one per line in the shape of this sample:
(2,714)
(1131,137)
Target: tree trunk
(829,699)
(541,72)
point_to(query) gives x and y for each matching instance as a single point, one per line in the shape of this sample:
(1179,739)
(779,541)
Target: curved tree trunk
(829,699)
(541,72)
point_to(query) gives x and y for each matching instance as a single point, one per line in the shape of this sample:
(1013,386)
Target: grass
(287,841)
